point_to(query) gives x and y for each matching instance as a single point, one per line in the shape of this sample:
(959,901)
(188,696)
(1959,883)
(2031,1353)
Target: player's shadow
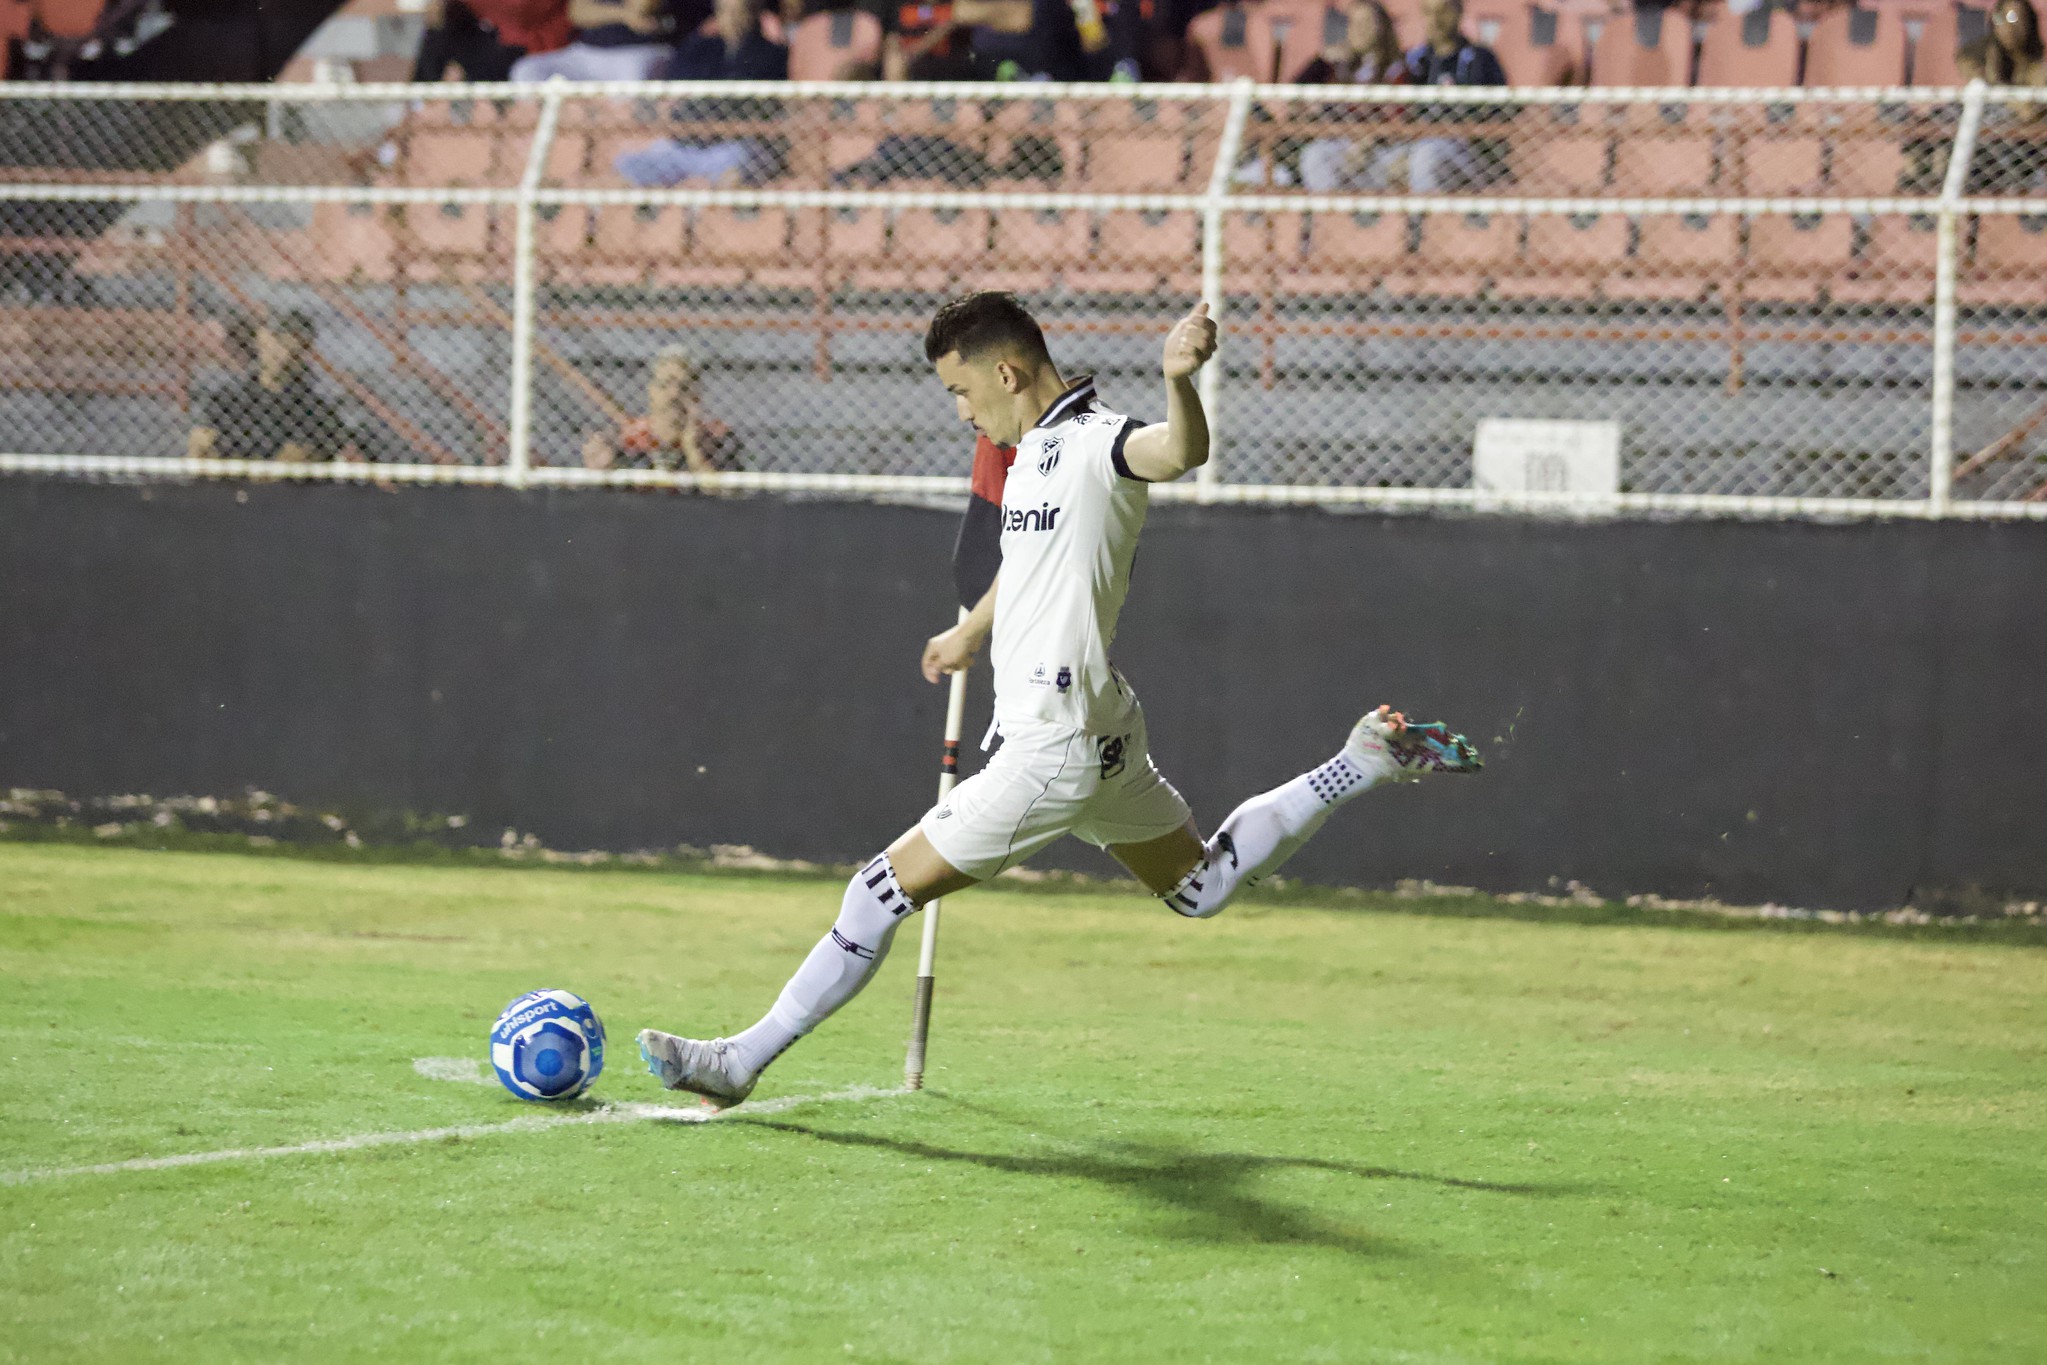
(1212,1190)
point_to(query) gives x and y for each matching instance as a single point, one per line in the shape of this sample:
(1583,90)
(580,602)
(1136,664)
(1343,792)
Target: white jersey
(1071,513)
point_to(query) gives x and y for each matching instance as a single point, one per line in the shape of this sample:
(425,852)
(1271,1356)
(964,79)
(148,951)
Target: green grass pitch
(1295,1133)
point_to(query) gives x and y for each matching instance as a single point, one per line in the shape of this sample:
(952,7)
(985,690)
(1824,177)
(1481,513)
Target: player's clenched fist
(1190,343)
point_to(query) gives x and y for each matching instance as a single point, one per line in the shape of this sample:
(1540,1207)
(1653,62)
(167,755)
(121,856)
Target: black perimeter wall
(1846,716)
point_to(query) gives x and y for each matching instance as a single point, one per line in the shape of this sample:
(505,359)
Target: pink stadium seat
(1894,265)
(1852,46)
(2009,267)
(1868,160)
(1537,46)
(15,16)
(1794,258)
(1759,48)
(1134,147)
(1652,157)
(352,242)
(1138,253)
(444,240)
(1947,31)
(1651,47)
(1348,252)
(856,247)
(1030,248)
(1298,33)
(1566,257)
(1767,163)
(1559,158)
(939,248)
(1679,258)
(67,18)
(1408,24)
(777,248)
(1459,252)
(822,45)
(1228,45)
(638,244)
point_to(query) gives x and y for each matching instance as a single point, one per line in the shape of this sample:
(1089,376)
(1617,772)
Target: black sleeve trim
(1116,451)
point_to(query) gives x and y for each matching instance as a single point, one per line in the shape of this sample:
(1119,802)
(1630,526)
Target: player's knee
(874,904)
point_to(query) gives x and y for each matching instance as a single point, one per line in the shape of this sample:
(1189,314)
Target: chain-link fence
(1765,301)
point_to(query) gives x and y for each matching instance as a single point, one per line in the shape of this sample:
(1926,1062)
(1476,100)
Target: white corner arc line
(609,1113)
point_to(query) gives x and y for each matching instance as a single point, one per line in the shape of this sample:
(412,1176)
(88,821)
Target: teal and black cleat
(1414,749)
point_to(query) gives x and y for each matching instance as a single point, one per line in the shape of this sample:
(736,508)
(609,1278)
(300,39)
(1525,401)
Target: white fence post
(1940,474)
(1228,149)
(519,436)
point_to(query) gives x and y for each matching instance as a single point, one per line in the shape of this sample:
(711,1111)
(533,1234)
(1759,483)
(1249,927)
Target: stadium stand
(1651,47)
(1854,46)
(1536,46)
(1756,49)
(1224,44)
(823,45)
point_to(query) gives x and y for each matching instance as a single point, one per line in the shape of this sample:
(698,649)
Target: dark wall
(1821,715)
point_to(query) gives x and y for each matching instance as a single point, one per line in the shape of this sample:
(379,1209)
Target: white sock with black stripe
(1264,832)
(843,961)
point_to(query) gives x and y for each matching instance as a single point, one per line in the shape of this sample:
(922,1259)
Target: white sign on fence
(1512,455)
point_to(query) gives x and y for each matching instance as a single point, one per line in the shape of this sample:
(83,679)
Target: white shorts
(1048,780)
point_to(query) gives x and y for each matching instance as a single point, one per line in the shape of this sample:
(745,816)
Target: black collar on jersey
(1076,399)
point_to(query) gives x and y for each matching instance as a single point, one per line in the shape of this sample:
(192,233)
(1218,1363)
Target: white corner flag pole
(948,776)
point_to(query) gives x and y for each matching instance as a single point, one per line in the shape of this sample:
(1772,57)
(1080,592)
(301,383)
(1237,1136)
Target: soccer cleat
(705,1068)
(1384,734)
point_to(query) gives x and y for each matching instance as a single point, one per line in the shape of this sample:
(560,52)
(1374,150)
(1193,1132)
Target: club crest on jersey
(1048,458)
(1065,678)
(1039,518)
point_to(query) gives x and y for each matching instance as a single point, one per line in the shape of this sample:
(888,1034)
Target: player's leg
(880,896)
(1016,805)
(1199,880)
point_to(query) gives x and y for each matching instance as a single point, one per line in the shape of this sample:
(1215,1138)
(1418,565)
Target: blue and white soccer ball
(547,1045)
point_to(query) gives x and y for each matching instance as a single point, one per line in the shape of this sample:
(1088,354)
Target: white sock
(1265,831)
(843,961)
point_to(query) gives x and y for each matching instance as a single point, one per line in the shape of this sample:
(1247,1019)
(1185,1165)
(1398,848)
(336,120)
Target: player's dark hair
(975,324)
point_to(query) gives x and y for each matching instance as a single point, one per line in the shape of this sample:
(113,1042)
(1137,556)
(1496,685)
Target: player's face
(983,395)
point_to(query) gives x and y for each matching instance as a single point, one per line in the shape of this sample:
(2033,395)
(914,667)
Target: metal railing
(1779,302)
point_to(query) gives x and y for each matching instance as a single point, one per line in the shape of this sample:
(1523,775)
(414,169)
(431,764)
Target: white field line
(610,1113)
(465,1069)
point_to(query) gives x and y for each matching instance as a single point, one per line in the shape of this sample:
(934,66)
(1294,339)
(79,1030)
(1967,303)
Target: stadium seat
(1226,45)
(1867,160)
(1852,46)
(1652,157)
(1893,263)
(2009,265)
(1040,129)
(1946,31)
(1794,258)
(1566,256)
(351,242)
(822,45)
(1260,247)
(1651,47)
(15,19)
(437,151)
(1678,257)
(1136,146)
(1757,49)
(1032,248)
(1141,253)
(1458,253)
(939,249)
(856,248)
(1350,252)
(1552,156)
(1536,46)
(774,248)
(637,244)
(1774,161)
(561,242)
(440,241)
(67,18)
(1298,33)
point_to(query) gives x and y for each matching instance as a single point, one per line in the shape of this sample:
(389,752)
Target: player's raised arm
(1166,450)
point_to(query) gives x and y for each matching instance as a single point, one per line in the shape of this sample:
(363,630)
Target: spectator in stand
(736,49)
(480,39)
(1026,40)
(273,412)
(675,433)
(2007,160)
(1368,55)
(2011,52)
(1431,164)
(615,40)
(920,41)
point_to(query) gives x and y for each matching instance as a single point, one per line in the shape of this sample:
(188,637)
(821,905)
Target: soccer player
(1074,756)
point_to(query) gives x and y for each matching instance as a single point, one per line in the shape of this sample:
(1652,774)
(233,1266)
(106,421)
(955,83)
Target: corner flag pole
(948,775)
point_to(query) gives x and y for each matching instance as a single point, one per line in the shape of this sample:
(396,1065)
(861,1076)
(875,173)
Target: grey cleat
(706,1068)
